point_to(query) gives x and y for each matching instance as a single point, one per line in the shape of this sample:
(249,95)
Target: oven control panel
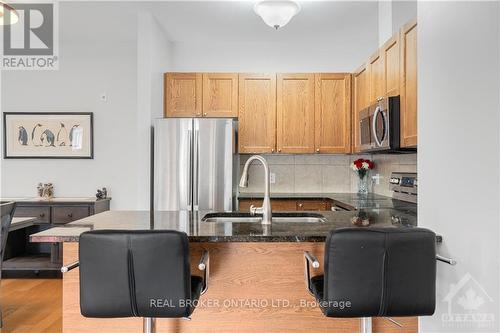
(404,186)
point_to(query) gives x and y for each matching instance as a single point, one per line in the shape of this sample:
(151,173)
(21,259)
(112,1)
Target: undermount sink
(236,217)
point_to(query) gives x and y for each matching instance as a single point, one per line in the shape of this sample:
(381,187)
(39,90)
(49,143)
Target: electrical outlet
(272,177)
(376,179)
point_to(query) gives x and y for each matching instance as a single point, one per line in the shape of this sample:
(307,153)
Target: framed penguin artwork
(48,135)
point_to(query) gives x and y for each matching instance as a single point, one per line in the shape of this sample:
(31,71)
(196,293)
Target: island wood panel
(361,98)
(409,85)
(295,111)
(391,55)
(239,273)
(333,113)
(220,95)
(183,94)
(257,113)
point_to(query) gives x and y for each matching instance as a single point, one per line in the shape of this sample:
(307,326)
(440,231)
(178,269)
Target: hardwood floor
(31,305)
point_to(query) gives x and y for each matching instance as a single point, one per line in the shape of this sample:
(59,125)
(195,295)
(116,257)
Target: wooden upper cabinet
(408,88)
(332,113)
(376,76)
(257,113)
(295,111)
(220,95)
(391,54)
(183,94)
(360,100)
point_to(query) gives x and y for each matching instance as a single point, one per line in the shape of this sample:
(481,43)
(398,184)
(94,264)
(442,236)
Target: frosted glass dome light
(276,13)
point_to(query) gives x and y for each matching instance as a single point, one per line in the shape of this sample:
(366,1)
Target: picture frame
(48,135)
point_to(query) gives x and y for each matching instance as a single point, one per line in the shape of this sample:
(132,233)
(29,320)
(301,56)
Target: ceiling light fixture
(276,13)
(8,15)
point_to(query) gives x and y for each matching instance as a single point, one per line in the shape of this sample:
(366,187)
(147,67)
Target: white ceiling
(218,21)
(236,21)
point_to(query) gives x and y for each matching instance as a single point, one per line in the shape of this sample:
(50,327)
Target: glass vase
(363,184)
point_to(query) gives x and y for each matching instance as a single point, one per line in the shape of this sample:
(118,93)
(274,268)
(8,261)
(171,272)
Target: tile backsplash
(323,173)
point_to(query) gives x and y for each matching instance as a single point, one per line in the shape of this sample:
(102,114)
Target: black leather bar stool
(376,272)
(142,273)
(6,212)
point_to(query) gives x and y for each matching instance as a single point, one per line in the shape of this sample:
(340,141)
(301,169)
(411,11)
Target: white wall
(86,71)
(392,15)
(384,21)
(329,56)
(459,148)
(153,59)
(402,13)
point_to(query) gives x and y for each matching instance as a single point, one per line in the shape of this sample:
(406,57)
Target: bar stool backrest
(380,272)
(134,274)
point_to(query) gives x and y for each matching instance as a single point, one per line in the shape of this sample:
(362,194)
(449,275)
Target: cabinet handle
(272,150)
(279,150)
(301,205)
(317,150)
(198,115)
(70,215)
(42,215)
(205,114)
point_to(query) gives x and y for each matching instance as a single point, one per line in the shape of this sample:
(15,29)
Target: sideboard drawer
(42,213)
(66,214)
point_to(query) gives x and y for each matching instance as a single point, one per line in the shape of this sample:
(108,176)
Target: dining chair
(7,211)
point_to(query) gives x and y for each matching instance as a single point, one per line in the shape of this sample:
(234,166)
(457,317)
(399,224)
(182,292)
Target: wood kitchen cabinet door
(295,113)
(376,77)
(313,205)
(220,95)
(183,94)
(408,89)
(360,100)
(277,205)
(333,113)
(257,113)
(392,72)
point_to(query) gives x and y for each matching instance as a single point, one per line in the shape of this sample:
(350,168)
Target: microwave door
(380,128)
(365,130)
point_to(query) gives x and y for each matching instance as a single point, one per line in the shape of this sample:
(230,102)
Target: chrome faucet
(265,210)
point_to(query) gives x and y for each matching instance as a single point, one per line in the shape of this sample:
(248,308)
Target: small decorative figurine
(101,193)
(45,191)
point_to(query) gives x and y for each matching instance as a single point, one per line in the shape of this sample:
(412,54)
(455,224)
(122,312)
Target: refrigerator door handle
(190,175)
(196,171)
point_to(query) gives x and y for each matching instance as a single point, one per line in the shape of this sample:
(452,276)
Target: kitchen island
(256,272)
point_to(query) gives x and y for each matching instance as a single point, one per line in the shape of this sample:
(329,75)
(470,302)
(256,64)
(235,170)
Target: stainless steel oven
(380,127)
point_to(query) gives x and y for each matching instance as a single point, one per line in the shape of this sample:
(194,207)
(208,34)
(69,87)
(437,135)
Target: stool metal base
(149,325)
(365,325)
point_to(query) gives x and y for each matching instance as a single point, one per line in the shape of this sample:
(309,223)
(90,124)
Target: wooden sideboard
(25,259)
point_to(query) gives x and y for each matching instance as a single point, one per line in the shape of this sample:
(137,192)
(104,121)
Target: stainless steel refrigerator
(194,163)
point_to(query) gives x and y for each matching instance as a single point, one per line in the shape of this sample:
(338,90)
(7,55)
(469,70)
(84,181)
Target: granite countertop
(349,201)
(200,231)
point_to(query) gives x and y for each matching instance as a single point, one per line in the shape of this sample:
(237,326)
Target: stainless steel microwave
(379,127)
